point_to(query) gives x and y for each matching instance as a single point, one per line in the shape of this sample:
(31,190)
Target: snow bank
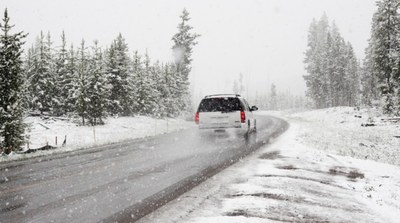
(53,132)
(342,131)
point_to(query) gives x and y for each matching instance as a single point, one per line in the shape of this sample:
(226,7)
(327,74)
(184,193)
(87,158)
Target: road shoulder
(288,181)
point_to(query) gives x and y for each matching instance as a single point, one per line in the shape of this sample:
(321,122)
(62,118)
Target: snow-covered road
(119,182)
(290,181)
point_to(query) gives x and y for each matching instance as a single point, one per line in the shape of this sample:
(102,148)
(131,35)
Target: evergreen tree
(184,41)
(82,90)
(119,77)
(138,73)
(11,81)
(337,69)
(164,93)
(28,68)
(328,73)
(69,84)
(384,50)
(97,90)
(352,78)
(145,87)
(274,98)
(152,95)
(53,84)
(156,98)
(172,108)
(369,80)
(62,79)
(42,79)
(316,63)
(332,70)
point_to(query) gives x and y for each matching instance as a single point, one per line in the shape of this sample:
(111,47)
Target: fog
(263,40)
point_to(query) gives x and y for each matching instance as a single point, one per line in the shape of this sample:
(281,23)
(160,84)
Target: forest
(335,77)
(88,81)
(94,83)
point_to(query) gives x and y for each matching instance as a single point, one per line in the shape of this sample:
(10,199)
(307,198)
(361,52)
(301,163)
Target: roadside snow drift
(54,132)
(360,133)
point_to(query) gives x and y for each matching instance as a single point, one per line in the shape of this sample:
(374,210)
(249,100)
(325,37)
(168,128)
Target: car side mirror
(253,108)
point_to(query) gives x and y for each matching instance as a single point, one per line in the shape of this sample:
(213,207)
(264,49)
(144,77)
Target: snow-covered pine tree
(336,68)
(332,68)
(12,127)
(70,84)
(28,68)
(97,90)
(119,77)
(145,87)
(152,94)
(163,89)
(62,78)
(329,76)
(184,41)
(352,78)
(53,86)
(172,108)
(42,79)
(273,98)
(385,47)
(316,63)
(369,80)
(137,73)
(159,86)
(81,93)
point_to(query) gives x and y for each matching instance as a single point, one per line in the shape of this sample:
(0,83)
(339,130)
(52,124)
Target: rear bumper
(221,126)
(240,129)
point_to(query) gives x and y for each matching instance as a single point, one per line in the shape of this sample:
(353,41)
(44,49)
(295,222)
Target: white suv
(226,111)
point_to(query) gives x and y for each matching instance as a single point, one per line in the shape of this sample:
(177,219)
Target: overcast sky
(263,39)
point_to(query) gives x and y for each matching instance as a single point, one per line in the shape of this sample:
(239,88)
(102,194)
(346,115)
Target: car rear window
(220,105)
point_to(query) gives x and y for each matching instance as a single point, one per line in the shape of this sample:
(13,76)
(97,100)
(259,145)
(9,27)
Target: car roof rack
(219,95)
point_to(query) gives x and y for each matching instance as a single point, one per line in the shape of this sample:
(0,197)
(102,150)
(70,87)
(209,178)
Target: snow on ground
(306,175)
(339,130)
(44,131)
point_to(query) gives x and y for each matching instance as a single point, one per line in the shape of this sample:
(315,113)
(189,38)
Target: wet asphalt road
(120,182)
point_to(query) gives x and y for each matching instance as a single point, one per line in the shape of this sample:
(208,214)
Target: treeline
(272,100)
(335,78)
(279,100)
(381,69)
(88,81)
(12,126)
(94,83)
(332,69)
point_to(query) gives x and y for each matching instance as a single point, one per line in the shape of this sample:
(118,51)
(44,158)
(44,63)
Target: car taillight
(197,118)
(243,117)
